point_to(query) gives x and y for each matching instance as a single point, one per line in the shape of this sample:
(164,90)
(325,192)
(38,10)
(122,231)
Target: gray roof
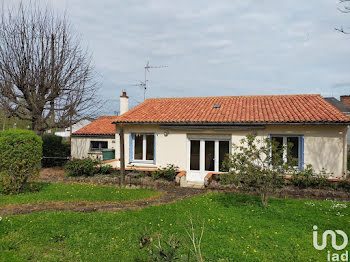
(339,105)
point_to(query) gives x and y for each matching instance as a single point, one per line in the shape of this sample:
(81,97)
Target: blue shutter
(301,152)
(270,166)
(154,150)
(131,147)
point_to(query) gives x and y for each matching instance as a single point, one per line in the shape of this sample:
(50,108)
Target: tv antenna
(143,84)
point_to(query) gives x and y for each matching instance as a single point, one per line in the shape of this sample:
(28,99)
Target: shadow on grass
(35,187)
(32,187)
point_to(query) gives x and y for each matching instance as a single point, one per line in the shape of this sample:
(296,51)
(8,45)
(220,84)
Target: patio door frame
(198,175)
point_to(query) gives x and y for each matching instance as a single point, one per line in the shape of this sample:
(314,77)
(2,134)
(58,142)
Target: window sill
(142,161)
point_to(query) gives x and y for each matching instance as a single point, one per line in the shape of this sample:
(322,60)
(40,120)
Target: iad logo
(330,256)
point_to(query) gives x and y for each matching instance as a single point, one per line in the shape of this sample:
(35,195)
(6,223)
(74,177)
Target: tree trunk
(36,126)
(264,199)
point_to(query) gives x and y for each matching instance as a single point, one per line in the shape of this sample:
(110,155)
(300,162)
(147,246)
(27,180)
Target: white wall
(75,127)
(170,149)
(324,145)
(80,146)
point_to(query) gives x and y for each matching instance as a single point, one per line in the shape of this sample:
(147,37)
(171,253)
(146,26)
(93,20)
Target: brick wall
(345,100)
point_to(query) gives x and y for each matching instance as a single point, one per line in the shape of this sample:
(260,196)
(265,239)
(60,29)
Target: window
(224,150)
(149,147)
(208,155)
(287,149)
(142,147)
(195,154)
(138,147)
(98,145)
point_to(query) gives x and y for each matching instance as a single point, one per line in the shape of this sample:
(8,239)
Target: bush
(168,173)
(105,170)
(253,167)
(20,156)
(309,178)
(55,146)
(227,179)
(81,167)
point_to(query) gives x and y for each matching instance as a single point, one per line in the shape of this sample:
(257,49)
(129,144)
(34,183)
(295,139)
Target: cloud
(214,47)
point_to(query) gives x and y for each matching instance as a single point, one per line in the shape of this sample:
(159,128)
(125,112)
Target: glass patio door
(205,156)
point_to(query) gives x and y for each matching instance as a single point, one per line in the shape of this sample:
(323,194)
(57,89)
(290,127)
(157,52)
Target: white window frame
(144,148)
(99,148)
(300,150)
(202,139)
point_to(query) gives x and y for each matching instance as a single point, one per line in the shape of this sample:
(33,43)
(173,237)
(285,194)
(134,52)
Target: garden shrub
(20,156)
(253,167)
(55,146)
(105,169)
(81,167)
(227,179)
(168,173)
(309,178)
(344,185)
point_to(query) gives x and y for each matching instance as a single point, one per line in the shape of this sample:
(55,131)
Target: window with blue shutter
(293,149)
(142,147)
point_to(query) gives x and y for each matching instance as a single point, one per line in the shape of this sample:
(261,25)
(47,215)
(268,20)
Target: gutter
(93,135)
(213,127)
(231,123)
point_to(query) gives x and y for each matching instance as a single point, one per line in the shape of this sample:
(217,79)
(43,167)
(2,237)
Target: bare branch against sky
(218,47)
(46,76)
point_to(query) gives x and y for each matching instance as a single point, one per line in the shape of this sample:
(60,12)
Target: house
(75,127)
(196,133)
(90,140)
(343,105)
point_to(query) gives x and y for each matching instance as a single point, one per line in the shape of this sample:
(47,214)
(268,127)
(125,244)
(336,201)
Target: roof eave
(235,123)
(93,135)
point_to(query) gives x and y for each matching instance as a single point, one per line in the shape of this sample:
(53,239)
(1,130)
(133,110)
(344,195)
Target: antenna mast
(144,84)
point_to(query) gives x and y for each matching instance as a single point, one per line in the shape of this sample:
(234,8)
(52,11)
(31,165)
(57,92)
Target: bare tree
(46,77)
(344,9)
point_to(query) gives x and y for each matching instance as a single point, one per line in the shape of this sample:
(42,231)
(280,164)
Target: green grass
(76,192)
(237,228)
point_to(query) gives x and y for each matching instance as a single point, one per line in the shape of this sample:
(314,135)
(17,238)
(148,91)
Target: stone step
(193,184)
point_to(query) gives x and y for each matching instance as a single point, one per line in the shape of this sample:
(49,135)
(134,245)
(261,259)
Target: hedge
(56,150)
(20,156)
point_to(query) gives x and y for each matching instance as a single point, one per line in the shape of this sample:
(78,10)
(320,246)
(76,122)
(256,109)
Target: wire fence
(53,161)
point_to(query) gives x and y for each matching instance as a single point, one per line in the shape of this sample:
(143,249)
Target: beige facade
(81,146)
(324,145)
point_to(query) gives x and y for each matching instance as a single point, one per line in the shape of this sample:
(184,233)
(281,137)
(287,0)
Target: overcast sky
(214,48)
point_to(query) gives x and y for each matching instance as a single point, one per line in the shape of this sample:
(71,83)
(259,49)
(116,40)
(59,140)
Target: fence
(52,161)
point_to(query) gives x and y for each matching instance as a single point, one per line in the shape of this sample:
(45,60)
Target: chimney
(345,100)
(124,103)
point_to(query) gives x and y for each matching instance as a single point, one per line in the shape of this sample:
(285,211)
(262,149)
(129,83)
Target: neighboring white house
(196,133)
(90,140)
(75,127)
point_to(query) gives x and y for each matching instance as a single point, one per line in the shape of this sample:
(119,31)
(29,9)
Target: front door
(206,156)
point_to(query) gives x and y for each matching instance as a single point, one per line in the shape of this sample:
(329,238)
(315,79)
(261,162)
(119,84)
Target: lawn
(236,228)
(76,192)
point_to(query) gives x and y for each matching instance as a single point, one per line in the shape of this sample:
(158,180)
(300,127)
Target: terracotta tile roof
(236,109)
(102,126)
